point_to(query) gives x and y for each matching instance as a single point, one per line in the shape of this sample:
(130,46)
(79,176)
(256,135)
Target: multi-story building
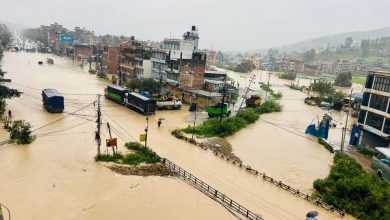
(130,59)
(111,59)
(374,115)
(326,67)
(343,66)
(167,60)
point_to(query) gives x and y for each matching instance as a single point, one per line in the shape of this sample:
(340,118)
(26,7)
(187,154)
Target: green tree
(348,42)
(245,66)
(365,47)
(343,79)
(349,187)
(309,56)
(323,88)
(21,132)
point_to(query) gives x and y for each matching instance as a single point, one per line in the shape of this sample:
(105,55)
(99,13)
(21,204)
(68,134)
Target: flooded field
(56,177)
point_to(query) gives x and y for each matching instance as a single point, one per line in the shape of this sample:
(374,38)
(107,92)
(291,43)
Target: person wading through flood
(159,122)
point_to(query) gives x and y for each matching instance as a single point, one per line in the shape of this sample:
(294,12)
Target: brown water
(57,178)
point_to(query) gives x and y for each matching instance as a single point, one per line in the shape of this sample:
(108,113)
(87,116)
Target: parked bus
(140,103)
(116,93)
(131,100)
(381,163)
(53,100)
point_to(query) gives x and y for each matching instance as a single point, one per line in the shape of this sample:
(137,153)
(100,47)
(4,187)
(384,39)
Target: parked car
(381,163)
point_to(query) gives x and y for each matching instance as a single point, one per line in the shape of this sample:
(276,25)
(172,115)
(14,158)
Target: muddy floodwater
(56,177)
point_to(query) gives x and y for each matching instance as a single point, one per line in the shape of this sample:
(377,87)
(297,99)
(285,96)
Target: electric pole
(223,100)
(252,79)
(193,131)
(346,124)
(146,131)
(98,121)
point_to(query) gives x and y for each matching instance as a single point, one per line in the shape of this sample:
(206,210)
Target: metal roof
(118,87)
(139,96)
(52,93)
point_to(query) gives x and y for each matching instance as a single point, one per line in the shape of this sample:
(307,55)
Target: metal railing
(274,181)
(210,191)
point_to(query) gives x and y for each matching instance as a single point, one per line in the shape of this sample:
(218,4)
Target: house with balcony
(374,115)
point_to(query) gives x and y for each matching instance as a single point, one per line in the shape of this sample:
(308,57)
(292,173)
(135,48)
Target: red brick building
(191,71)
(82,51)
(111,59)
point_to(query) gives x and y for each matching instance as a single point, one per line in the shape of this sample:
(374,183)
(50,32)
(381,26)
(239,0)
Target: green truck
(215,111)
(116,93)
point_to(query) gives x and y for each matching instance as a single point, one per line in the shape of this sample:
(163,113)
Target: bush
(289,76)
(109,158)
(269,106)
(3,104)
(343,79)
(20,132)
(326,145)
(349,187)
(213,127)
(366,151)
(141,154)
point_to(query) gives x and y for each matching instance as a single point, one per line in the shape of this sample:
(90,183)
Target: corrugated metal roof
(52,93)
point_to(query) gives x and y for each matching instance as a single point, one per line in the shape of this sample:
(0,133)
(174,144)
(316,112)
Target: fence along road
(210,191)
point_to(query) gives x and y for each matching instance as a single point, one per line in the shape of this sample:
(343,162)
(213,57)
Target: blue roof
(51,93)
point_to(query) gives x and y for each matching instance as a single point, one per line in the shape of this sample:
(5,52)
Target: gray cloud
(223,24)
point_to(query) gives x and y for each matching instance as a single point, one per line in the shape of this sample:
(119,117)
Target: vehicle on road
(133,100)
(169,103)
(381,163)
(140,103)
(50,61)
(218,109)
(253,101)
(53,100)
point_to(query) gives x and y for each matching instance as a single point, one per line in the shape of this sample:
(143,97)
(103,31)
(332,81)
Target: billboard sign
(66,38)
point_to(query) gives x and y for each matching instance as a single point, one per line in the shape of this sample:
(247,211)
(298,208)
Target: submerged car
(381,163)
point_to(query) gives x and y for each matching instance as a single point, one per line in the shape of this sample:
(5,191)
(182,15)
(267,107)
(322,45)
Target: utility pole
(346,124)
(98,121)
(223,100)
(196,112)
(252,79)
(146,131)
(109,131)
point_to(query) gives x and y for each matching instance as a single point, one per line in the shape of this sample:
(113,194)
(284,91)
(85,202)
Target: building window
(379,102)
(374,120)
(366,98)
(362,116)
(386,128)
(382,84)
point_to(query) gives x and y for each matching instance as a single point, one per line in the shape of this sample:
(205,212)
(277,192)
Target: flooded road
(57,178)
(277,144)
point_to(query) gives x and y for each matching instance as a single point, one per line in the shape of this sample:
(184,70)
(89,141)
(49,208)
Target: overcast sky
(223,24)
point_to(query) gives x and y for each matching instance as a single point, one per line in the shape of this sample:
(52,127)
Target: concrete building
(192,37)
(191,71)
(374,115)
(343,66)
(326,67)
(130,58)
(310,69)
(111,59)
(159,65)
